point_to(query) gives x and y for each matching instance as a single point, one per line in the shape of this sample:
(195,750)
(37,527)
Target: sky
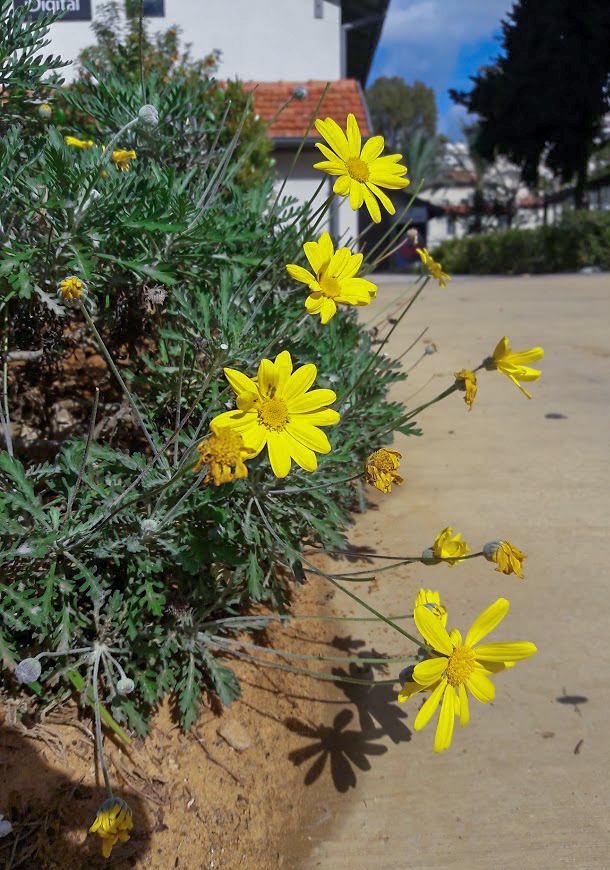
(441,43)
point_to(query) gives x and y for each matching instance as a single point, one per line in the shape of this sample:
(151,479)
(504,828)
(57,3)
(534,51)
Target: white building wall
(263,40)
(302,184)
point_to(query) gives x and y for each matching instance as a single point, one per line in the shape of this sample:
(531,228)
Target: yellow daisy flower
(510,363)
(223,450)
(459,665)
(507,557)
(360,169)
(78,143)
(467,382)
(380,469)
(112,822)
(71,288)
(435,269)
(334,279)
(446,548)
(121,158)
(276,409)
(432,600)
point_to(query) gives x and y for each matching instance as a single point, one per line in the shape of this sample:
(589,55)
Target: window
(450,224)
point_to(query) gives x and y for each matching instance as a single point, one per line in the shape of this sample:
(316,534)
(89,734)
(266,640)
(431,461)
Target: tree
(398,108)
(424,157)
(546,96)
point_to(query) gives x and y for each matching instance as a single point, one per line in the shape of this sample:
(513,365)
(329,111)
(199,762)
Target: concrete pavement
(526,785)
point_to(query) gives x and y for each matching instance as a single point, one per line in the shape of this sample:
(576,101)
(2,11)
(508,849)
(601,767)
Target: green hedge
(579,239)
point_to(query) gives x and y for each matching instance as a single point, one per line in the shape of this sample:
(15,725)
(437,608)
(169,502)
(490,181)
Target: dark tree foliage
(397,109)
(548,92)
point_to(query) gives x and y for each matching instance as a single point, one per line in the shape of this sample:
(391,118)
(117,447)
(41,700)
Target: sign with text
(73,10)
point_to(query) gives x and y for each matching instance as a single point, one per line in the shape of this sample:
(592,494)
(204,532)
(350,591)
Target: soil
(199,800)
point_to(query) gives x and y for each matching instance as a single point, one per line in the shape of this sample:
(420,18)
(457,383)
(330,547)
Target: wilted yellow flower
(360,169)
(380,469)
(223,450)
(432,600)
(112,822)
(78,143)
(510,363)
(334,279)
(468,382)
(508,558)
(448,549)
(459,665)
(121,158)
(435,269)
(276,410)
(71,288)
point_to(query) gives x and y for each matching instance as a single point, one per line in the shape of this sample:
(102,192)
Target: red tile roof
(343,96)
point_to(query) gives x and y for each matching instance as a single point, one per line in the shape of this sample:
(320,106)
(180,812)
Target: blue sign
(152,8)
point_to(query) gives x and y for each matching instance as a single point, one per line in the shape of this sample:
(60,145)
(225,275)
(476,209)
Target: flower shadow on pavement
(51,813)
(347,749)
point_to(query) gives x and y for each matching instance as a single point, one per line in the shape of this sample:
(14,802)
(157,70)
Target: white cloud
(452,121)
(439,23)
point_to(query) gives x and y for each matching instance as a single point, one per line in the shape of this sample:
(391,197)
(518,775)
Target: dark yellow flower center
(357,169)
(330,286)
(273,414)
(224,448)
(383,461)
(460,665)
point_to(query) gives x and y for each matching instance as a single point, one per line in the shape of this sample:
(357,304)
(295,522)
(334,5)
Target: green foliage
(397,109)
(548,92)
(104,540)
(21,40)
(579,239)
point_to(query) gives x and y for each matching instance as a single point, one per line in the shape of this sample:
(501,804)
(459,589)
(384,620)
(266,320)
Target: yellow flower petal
(444,729)
(299,382)
(487,621)
(429,671)
(482,688)
(279,454)
(514,651)
(432,630)
(429,708)
(308,435)
(464,709)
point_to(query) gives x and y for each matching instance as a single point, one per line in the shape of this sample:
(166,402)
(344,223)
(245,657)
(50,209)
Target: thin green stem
(83,464)
(117,375)
(140,41)
(384,342)
(318,675)
(313,658)
(179,397)
(98,724)
(331,579)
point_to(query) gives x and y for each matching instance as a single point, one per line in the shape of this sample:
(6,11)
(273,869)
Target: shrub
(105,537)
(578,239)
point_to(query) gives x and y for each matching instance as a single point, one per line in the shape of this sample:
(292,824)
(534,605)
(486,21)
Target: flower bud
(149,116)
(125,686)
(406,675)
(45,111)
(28,670)
(300,93)
(490,549)
(5,826)
(428,557)
(430,348)
(149,526)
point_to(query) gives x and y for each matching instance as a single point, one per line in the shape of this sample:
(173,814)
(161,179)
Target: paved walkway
(526,786)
